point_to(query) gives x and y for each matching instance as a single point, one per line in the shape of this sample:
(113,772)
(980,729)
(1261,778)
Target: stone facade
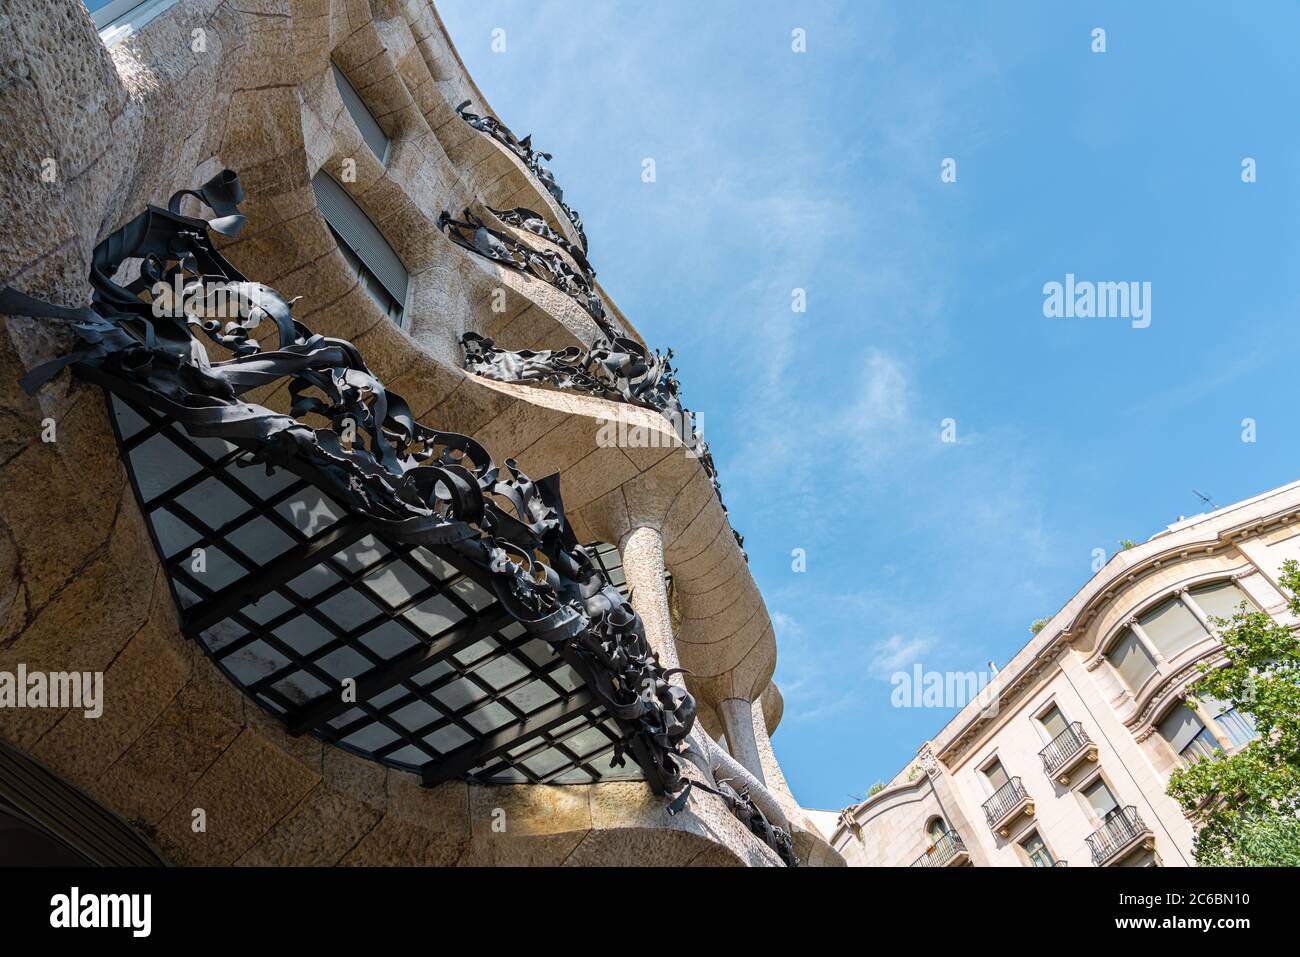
(94,134)
(1069,666)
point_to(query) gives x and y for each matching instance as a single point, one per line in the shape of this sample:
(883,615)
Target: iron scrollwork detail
(491,126)
(411,482)
(616,367)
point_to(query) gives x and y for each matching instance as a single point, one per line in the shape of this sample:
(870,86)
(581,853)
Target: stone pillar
(738,718)
(772,775)
(643,565)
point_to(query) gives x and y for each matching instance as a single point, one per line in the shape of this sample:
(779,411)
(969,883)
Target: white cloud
(896,653)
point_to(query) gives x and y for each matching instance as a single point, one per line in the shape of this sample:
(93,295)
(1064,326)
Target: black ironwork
(1121,827)
(1004,801)
(413,485)
(616,366)
(491,126)
(942,852)
(547,265)
(1065,746)
(415,492)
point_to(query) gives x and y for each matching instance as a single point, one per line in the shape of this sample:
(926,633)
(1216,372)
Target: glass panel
(260,540)
(397,583)
(1099,798)
(159,465)
(434,616)
(388,639)
(1180,726)
(1053,721)
(1238,726)
(310,512)
(1131,659)
(1220,600)
(1171,626)
(996,775)
(447,738)
(1037,850)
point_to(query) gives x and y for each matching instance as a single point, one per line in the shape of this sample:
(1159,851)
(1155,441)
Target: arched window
(1171,627)
(936,829)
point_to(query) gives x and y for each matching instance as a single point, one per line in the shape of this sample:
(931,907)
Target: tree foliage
(1245,805)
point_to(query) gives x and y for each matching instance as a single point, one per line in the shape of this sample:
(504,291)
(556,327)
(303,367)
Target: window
(118,19)
(1171,627)
(1131,659)
(1187,734)
(1236,725)
(996,774)
(1221,600)
(368,126)
(1036,850)
(376,265)
(936,829)
(1099,799)
(1053,722)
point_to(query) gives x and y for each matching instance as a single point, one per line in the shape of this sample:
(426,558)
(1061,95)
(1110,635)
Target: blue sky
(777,170)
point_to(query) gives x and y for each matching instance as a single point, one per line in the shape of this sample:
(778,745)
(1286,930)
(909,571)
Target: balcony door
(1100,800)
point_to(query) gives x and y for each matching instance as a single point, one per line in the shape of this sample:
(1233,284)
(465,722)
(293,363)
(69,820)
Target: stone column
(772,776)
(738,718)
(643,565)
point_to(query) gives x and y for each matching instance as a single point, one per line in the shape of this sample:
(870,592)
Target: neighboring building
(229,607)
(1066,757)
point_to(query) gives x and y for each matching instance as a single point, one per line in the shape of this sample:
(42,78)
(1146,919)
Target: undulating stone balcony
(947,851)
(1122,833)
(1067,751)
(1008,803)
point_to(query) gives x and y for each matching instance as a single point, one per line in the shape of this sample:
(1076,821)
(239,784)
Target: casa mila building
(386,531)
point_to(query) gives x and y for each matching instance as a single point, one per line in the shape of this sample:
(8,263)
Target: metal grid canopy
(291,596)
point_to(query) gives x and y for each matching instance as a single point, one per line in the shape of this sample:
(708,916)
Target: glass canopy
(390,650)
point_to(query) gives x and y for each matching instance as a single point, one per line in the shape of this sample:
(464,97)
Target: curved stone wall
(127,127)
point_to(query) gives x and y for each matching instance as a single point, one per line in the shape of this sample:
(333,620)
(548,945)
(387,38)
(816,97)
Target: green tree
(1245,805)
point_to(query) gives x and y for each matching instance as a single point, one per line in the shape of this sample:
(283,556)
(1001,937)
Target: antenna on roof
(1206,499)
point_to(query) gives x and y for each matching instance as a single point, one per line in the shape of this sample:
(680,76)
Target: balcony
(1123,833)
(947,851)
(1067,751)
(1006,805)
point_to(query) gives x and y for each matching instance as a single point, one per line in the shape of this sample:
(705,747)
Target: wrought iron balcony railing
(1121,828)
(1007,800)
(944,851)
(494,128)
(1067,749)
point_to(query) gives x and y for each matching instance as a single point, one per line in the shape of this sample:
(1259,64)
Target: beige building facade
(1064,757)
(356,157)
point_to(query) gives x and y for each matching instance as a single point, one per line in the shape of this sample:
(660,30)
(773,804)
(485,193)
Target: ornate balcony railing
(616,366)
(1065,749)
(1006,800)
(1121,828)
(490,126)
(400,480)
(942,852)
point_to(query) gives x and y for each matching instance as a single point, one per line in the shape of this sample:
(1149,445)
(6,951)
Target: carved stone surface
(415,483)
